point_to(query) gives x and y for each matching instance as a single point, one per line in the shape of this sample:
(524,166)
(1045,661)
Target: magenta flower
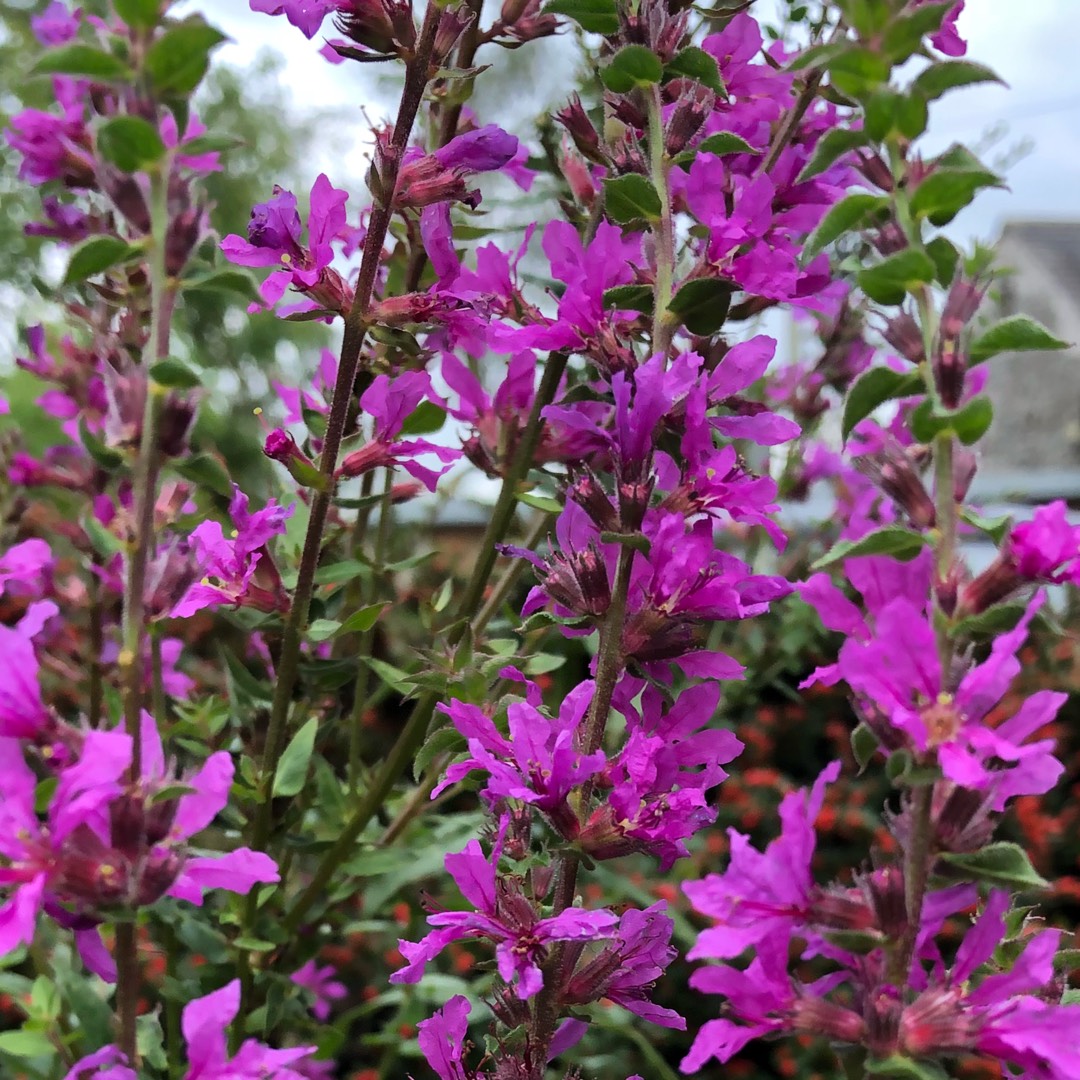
(237,571)
(763,896)
(390,403)
(56,25)
(306,15)
(23,714)
(626,970)
(897,676)
(25,567)
(203,1023)
(505,916)
(274,240)
(324,988)
(441,1039)
(54,147)
(539,762)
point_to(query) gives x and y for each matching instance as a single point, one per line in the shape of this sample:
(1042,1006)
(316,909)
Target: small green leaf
(293,767)
(898,765)
(725,142)
(252,944)
(104,456)
(896,1067)
(338,572)
(595,16)
(174,373)
(904,35)
(178,60)
(83,60)
(891,279)
(540,502)
(832,146)
(969,423)
(206,470)
(999,619)
(130,143)
(96,255)
(996,527)
(629,298)
(867,17)
(323,629)
(845,216)
(945,192)
(362,620)
(998,864)
(45,1001)
(445,740)
(857,72)
(142,14)
(394,677)
(695,63)
(942,77)
(631,198)
(702,305)
(150,1040)
(864,745)
(630,67)
(26,1044)
(944,256)
(817,56)
(902,544)
(230,282)
(1017,333)
(424,419)
(873,388)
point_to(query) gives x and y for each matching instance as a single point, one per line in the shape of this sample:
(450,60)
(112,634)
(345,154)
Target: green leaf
(83,60)
(845,216)
(912,115)
(338,572)
(174,373)
(631,198)
(540,502)
(629,298)
(695,63)
(630,67)
(996,527)
(873,388)
(252,944)
(944,256)
(945,192)
(867,17)
(832,146)
(999,619)
(445,740)
(891,279)
(725,142)
(902,1068)
(26,1044)
(178,60)
(150,1040)
(702,305)
(857,72)
(424,419)
(234,282)
(293,767)
(207,471)
(322,629)
(902,544)
(864,745)
(394,677)
(104,456)
(142,14)
(45,1001)
(904,35)
(130,143)
(948,75)
(364,619)
(595,16)
(998,864)
(1017,333)
(969,423)
(817,56)
(95,255)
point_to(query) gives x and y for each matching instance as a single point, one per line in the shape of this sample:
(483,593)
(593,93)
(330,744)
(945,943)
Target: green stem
(144,487)
(367,640)
(664,233)
(415,730)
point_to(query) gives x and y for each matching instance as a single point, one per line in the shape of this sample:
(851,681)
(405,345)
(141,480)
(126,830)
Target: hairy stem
(664,233)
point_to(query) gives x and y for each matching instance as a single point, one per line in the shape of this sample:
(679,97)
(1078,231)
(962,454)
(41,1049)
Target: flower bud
(903,334)
(889,239)
(950,369)
(691,110)
(935,1023)
(580,128)
(159,872)
(587,491)
(960,306)
(892,471)
(816,1016)
(384,26)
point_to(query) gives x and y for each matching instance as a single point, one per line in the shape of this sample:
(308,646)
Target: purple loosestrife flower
(763,896)
(237,571)
(274,240)
(203,1023)
(108,1063)
(25,568)
(539,761)
(55,147)
(390,403)
(505,916)
(306,15)
(896,677)
(626,970)
(433,181)
(441,1039)
(324,988)
(56,25)
(23,714)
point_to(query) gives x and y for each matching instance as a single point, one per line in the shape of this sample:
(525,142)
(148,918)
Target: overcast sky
(1030,44)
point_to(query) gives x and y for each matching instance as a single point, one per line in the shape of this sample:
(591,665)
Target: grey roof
(1057,242)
